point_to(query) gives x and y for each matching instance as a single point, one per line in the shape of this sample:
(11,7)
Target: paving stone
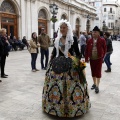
(21,92)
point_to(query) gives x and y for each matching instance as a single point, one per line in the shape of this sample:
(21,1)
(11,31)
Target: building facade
(108,15)
(111,16)
(22,17)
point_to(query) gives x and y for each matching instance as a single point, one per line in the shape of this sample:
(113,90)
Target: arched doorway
(88,26)
(8,18)
(77,27)
(64,17)
(42,20)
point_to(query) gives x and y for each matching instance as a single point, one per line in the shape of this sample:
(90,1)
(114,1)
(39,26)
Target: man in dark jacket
(25,41)
(44,41)
(5,53)
(109,51)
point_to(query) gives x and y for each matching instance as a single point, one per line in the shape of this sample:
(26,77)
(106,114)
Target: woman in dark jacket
(109,51)
(5,51)
(65,94)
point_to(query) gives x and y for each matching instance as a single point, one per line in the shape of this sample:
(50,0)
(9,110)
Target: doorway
(42,24)
(42,21)
(10,24)
(10,29)
(8,18)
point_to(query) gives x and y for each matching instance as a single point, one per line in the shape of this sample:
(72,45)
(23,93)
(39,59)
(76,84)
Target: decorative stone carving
(33,0)
(63,17)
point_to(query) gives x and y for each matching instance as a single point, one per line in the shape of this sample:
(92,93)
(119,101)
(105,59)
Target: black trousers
(83,50)
(46,54)
(3,61)
(33,60)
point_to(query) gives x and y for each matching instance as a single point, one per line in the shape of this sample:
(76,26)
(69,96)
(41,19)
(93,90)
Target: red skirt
(96,67)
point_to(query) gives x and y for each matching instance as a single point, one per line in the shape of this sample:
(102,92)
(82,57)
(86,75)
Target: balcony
(111,12)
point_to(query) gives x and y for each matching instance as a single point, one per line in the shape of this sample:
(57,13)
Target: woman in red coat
(95,52)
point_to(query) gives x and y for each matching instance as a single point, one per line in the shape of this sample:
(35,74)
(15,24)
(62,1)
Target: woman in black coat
(5,51)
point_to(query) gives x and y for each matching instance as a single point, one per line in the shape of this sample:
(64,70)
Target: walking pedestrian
(82,43)
(34,45)
(109,51)
(95,52)
(65,92)
(44,41)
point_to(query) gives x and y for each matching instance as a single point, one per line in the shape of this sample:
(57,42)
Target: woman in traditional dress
(65,92)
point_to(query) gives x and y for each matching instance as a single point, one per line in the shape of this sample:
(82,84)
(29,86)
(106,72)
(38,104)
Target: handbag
(61,64)
(29,48)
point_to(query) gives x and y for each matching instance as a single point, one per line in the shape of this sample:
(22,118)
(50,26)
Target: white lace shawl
(69,38)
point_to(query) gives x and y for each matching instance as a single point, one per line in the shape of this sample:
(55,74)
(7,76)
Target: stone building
(108,14)
(111,16)
(22,17)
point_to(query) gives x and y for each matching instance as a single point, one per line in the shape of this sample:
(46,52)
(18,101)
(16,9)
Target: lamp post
(104,26)
(113,30)
(88,23)
(118,30)
(54,10)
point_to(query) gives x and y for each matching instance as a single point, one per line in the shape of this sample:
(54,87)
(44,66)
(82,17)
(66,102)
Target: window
(109,25)
(104,16)
(97,18)
(42,14)
(104,9)
(112,24)
(111,17)
(7,7)
(110,10)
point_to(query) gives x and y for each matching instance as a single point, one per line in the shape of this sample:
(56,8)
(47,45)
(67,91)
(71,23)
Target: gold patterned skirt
(65,94)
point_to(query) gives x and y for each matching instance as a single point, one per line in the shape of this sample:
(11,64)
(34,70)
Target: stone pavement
(21,93)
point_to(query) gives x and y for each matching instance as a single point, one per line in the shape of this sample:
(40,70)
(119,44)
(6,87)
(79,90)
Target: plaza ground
(21,92)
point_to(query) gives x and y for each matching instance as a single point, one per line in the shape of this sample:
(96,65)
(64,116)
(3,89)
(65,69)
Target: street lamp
(118,30)
(88,23)
(54,11)
(104,26)
(88,17)
(113,29)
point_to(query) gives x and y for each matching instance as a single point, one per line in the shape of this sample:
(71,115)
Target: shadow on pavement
(62,118)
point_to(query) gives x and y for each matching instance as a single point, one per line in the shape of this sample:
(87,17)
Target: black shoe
(0,80)
(45,68)
(97,90)
(42,68)
(93,87)
(108,70)
(3,76)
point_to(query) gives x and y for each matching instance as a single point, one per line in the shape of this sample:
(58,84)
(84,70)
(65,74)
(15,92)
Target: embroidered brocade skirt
(65,94)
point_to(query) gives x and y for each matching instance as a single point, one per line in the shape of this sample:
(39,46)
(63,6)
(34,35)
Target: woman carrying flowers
(65,92)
